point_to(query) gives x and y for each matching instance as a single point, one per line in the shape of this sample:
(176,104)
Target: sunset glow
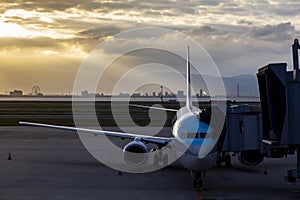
(45,38)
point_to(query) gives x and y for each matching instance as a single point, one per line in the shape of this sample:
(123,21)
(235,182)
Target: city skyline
(245,84)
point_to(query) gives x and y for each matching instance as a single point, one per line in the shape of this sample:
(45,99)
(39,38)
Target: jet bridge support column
(298,162)
(294,174)
(295,49)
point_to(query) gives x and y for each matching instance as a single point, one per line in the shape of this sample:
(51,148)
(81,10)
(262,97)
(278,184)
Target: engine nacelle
(250,157)
(135,153)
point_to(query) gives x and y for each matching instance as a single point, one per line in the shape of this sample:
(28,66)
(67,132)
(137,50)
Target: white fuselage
(193,141)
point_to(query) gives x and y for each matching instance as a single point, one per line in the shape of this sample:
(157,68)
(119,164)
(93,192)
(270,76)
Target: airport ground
(53,164)
(61,112)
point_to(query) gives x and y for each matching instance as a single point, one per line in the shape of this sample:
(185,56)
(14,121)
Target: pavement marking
(199,192)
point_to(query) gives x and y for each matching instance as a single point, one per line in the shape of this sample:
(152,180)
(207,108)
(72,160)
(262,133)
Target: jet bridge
(271,129)
(280,108)
(242,134)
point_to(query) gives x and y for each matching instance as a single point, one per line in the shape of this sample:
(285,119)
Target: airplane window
(184,135)
(191,135)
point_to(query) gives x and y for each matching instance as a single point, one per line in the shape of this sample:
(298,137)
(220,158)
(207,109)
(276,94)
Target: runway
(53,164)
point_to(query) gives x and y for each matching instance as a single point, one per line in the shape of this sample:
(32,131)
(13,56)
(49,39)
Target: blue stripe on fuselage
(199,141)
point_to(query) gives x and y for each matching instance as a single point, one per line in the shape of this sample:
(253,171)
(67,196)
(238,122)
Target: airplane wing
(154,108)
(145,138)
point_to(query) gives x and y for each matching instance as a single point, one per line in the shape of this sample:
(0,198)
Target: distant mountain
(248,85)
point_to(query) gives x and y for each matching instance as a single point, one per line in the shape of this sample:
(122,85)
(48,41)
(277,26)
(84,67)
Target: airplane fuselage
(193,141)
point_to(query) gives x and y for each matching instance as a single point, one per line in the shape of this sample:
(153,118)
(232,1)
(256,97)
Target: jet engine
(250,157)
(135,153)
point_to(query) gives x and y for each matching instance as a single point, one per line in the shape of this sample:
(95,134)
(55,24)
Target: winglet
(188,81)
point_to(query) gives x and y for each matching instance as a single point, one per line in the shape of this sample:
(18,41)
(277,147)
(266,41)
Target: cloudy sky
(44,42)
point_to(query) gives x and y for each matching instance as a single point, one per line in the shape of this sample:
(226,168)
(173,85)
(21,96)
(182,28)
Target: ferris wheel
(35,90)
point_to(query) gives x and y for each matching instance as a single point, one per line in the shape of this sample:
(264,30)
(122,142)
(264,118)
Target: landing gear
(219,161)
(165,160)
(198,179)
(160,158)
(227,160)
(224,158)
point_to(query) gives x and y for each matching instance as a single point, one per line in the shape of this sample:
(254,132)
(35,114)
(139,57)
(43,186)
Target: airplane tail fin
(188,81)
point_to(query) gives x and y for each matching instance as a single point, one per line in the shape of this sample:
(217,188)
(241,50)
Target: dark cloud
(154,6)
(283,31)
(97,33)
(36,21)
(150,12)
(245,22)
(205,31)
(287,8)
(124,6)
(89,5)
(256,36)
(246,50)
(44,6)
(287,11)
(210,2)
(187,10)
(232,10)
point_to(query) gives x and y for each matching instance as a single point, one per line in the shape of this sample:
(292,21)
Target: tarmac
(54,164)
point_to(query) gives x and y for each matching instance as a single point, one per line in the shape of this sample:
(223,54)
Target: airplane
(189,131)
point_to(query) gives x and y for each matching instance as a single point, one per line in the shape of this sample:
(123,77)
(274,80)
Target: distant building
(85,93)
(16,93)
(123,94)
(136,95)
(238,90)
(180,93)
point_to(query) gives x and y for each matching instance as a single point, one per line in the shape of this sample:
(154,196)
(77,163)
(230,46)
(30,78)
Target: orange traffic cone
(266,171)
(9,156)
